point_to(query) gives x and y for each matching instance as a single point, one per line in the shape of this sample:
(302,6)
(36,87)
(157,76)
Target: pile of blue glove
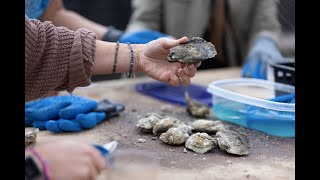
(263,52)
(68,113)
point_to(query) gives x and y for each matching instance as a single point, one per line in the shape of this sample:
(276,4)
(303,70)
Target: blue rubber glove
(35,8)
(264,51)
(67,113)
(141,37)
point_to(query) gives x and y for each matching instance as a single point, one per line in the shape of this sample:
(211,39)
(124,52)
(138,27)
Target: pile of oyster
(201,136)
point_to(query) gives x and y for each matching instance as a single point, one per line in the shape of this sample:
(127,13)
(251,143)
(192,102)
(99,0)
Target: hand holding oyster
(195,50)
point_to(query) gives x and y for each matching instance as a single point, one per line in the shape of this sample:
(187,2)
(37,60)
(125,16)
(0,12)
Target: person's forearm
(59,16)
(74,21)
(105,55)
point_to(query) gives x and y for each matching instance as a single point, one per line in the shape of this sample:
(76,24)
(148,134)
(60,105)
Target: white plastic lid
(217,88)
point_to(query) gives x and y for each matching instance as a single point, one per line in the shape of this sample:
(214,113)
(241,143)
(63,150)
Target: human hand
(154,63)
(261,54)
(71,159)
(68,113)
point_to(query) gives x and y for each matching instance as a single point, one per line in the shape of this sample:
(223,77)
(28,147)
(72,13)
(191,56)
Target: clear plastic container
(246,102)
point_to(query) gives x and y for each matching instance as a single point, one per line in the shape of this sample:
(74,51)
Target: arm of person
(66,159)
(57,58)
(146,15)
(265,21)
(59,16)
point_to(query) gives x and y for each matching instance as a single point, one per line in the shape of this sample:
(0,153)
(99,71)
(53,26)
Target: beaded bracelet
(131,60)
(137,62)
(43,163)
(115,58)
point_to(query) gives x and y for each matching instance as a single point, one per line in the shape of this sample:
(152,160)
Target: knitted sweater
(56,58)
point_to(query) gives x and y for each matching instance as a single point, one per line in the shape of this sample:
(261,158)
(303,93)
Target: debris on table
(208,126)
(141,140)
(200,143)
(233,142)
(195,50)
(195,108)
(31,137)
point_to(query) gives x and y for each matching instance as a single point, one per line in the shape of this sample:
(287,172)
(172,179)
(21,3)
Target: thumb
(168,43)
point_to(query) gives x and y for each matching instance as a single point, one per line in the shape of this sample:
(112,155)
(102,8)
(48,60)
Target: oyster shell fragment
(174,136)
(195,50)
(208,126)
(195,108)
(233,142)
(200,142)
(31,137)
(147,123)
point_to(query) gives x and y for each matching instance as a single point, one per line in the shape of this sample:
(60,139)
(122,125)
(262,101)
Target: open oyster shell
(196,49)
(233,142)
(208,126)
(195,108)
(174,136)
(200,142)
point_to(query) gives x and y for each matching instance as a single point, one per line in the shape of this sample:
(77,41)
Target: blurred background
(118,13)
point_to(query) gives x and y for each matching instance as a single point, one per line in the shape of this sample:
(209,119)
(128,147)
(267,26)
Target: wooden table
(270,158)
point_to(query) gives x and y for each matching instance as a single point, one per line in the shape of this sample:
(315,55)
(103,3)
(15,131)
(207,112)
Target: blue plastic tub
(246,102)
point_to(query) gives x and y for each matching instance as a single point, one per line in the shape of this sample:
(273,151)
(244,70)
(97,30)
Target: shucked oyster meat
(233,142)
(195,50)
(196,108)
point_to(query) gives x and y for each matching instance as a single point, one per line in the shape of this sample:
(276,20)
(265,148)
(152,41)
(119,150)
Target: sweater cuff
(81,59)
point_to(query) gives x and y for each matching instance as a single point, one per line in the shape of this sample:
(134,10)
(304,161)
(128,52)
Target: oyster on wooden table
(164,124)
(147,123)
(31,137)
(174,136)
(195,50)
(200,142)
(195,108)
(208,126)
(233,142)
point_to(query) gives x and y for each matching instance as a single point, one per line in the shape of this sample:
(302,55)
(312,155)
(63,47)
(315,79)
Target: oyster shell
(196,49)
(233,142)
(208,126)
(147,123)
(200,142)
(31,137)
(174,136)
(195,108)
(183,127)
(164,124)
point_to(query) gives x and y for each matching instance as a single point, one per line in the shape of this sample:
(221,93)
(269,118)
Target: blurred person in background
(246,33)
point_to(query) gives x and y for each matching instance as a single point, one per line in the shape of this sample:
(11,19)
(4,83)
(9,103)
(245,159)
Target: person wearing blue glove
(263,52)
(55,12)
(68,113)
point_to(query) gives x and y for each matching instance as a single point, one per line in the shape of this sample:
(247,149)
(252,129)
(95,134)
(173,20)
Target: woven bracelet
(115,58)
(43,163)
(131,60)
